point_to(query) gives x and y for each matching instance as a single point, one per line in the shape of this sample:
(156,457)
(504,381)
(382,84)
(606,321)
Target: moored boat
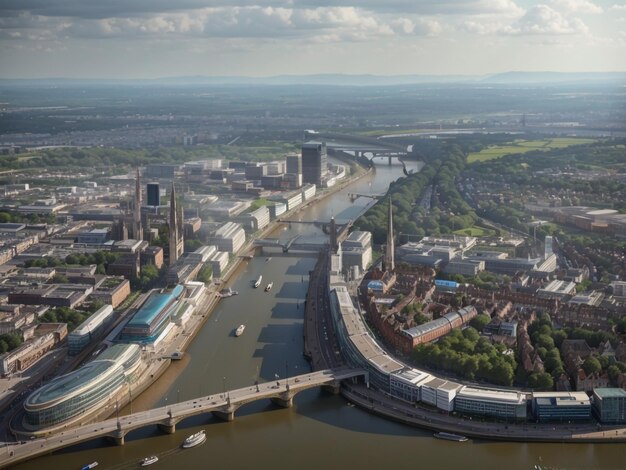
(194,440)
(450,437)
(227,293)
(269,287)
(258,281)
(149,460)
(239,330)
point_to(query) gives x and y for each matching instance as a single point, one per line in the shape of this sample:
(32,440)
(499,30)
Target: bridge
(223,405)
(295,243)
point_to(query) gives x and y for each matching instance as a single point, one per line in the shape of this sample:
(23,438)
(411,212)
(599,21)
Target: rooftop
(610,392)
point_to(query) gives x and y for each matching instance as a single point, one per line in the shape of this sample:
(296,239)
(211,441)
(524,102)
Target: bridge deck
(173,413)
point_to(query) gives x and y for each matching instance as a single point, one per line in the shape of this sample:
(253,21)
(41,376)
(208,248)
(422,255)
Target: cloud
(542,19)
(101,9)
(618,7)
(576,6)
(317,24)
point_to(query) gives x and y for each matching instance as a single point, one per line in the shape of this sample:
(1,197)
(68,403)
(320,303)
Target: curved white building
(83,391)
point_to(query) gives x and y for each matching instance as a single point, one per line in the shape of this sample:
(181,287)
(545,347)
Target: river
(321,430)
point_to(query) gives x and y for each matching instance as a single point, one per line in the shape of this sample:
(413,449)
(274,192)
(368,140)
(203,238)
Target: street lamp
(287,375)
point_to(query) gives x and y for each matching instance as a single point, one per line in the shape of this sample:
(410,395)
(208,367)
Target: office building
(85,391)
(609,405)
(229,237)
(153,190)
(294,164)
(314,163)
(152,318)
(90,329)
(495,403)
(561,406)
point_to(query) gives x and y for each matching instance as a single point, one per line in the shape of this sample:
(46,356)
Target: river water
(321,430)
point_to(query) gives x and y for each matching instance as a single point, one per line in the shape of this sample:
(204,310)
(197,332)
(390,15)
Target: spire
(137,228)
(333,234)
(173,227)
(389,250)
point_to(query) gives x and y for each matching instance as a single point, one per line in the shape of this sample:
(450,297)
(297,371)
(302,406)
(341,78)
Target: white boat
(194,440)
(269,287)
(149,460)
(258,281)
(239,330)
(177,355)
(450,437)
(90,465)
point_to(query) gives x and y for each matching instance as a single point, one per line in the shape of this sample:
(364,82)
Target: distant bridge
(223,405)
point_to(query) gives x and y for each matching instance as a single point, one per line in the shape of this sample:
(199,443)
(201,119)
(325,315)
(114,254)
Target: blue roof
(153,306)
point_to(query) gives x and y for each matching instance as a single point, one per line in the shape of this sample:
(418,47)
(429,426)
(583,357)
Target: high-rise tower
(176,238)
(137,227)
(389,249)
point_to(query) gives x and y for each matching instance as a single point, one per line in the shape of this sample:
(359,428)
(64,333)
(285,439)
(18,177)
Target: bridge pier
(285,402)
(167,428)
(225,415)
(333,388)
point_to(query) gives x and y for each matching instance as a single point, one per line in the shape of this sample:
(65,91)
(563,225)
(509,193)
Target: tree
(545,341)
(591,365)
(541,381)
(480,321)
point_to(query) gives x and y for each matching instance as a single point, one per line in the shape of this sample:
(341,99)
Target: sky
(166,38)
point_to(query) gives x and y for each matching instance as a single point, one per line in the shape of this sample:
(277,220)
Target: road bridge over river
(223,405)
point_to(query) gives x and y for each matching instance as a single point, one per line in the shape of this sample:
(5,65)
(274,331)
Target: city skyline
(154,39)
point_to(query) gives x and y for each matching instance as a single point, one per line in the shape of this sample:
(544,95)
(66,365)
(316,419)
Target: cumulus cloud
(542,19)
(576,6)
(318,24)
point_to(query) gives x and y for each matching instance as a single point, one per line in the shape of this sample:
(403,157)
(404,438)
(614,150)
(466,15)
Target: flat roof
(492,395)
(610,392)
(93,320)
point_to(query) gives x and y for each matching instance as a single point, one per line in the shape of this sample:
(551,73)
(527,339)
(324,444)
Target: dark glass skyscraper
(314,163)
(154,194)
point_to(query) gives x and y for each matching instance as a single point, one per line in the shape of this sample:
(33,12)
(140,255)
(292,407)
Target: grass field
(523,146)
(475,232)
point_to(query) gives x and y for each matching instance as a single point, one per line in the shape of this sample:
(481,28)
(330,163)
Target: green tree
(591,365)
(480,321)
(541,381)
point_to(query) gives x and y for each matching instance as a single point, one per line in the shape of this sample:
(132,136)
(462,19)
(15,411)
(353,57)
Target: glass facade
(83,390)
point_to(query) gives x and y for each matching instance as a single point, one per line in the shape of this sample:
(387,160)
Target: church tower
(176,239)
(389,249)
(137,227)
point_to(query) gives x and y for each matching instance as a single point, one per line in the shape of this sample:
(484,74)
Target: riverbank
(378,403)
(210,300)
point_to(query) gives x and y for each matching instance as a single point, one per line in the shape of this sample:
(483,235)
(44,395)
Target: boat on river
(450,437)
(90,465)
(239,330)
(269,287)
(258,281)
(149,461)
(194,440)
